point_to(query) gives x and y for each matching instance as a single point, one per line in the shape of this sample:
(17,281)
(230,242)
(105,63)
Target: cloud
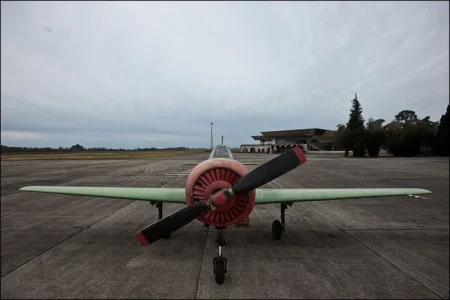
(142,74)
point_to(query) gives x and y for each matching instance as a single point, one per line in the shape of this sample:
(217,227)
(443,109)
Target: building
(312,139)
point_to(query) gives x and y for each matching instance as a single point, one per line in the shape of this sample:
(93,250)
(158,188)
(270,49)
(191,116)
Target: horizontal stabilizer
(172,195)
(267,196)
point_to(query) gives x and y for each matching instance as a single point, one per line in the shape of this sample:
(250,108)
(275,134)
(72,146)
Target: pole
(212,145)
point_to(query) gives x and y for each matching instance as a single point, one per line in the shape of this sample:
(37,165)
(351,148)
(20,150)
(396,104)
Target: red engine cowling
(212,175)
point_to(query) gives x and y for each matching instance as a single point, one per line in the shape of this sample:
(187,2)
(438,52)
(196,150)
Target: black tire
(220,271)
(277,230)
(166,237)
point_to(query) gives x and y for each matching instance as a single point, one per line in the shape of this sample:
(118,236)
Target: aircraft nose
(219,199)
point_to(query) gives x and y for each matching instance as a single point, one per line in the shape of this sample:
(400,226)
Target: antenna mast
(212,145)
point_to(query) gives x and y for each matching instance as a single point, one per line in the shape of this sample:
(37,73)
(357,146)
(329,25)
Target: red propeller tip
(301,156)
(142,239)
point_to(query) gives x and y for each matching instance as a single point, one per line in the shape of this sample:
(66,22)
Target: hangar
(312,139)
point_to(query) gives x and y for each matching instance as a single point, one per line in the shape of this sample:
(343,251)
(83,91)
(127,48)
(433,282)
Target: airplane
(220,192)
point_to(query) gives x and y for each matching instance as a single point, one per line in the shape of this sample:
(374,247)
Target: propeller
(169,224)
(257,177)
(269,171)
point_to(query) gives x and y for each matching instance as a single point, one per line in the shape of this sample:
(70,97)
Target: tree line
(406,135)
(80,148)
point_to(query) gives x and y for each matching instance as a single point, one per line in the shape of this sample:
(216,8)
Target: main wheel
(219,271)
(277,230)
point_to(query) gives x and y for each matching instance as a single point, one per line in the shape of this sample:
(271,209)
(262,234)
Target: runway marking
(143,172)
(176,174)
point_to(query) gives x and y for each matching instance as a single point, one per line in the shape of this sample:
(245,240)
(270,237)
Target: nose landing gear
(220,261)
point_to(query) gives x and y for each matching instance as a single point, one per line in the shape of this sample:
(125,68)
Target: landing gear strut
(220,261)
(159,205)
(277,226)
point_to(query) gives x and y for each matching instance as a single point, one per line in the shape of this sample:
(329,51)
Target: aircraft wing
(263,196)
(170,195)
(270,196)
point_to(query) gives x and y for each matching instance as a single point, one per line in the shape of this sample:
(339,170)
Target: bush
(373,152)
(359,151)
(426,152)
(375,139)
(408,143)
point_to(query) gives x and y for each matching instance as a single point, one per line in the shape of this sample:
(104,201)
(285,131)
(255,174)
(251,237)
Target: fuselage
(221,151)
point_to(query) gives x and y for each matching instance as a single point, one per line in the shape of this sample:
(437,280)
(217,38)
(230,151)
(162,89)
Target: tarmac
(58,246)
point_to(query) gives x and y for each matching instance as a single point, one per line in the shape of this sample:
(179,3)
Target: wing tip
(25,188)
(31,188)
(142,239)
(421,192)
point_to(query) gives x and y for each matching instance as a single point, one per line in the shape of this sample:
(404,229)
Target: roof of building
(261,138)
(295,132)
(330,133)
(324,138)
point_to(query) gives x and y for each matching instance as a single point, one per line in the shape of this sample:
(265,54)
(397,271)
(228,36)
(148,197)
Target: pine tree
(355,130)
(442,138)
(356,120)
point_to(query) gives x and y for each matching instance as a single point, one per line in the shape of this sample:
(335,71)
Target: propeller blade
(270,170)
(169,224)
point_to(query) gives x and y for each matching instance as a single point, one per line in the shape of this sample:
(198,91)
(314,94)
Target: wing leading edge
(170,195)
(270,196)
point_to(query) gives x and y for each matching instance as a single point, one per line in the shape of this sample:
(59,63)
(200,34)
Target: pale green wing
(268,196)
(263,196)
(171,195)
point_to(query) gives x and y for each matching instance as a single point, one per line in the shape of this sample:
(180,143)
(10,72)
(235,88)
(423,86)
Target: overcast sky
(143,74)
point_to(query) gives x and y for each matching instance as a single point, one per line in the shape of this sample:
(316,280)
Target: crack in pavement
(376,253)
(139,177)
(201,263)
(70,236)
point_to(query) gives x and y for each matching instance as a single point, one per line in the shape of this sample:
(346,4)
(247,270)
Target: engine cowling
(211,176)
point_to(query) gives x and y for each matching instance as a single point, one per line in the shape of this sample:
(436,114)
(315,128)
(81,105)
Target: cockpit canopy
(221,151)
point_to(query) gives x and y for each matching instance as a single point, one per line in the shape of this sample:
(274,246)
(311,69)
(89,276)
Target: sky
(155,74)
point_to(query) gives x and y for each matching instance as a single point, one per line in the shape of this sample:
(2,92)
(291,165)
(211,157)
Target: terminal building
(313,139)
